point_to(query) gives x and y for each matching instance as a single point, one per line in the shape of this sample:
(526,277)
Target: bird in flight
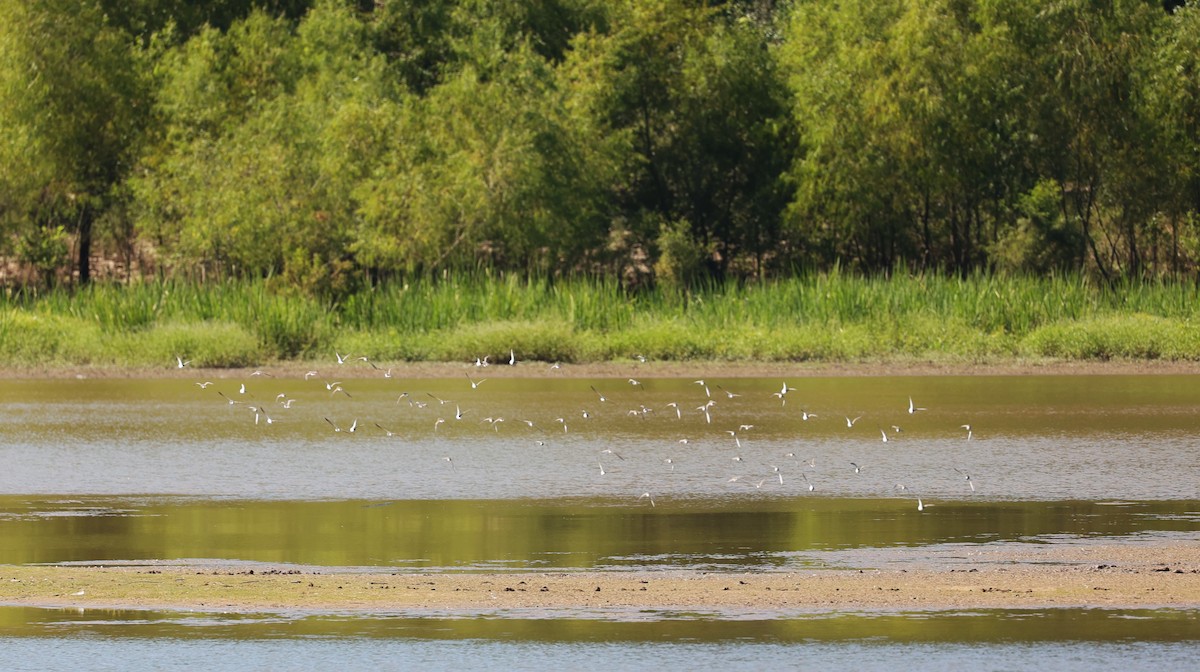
(966,476)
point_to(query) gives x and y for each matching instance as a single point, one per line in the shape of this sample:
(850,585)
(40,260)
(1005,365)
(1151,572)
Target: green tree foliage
(73,107)
(486,169)
(925,124)
(326,143)
(262,129)
(695,96)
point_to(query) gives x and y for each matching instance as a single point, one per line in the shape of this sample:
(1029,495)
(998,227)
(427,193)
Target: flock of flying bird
(332,389)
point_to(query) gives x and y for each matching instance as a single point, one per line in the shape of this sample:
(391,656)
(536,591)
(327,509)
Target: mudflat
(654,369)
(1154,575)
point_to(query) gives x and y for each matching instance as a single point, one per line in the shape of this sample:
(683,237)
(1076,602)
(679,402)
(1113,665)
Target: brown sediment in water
(1160,575)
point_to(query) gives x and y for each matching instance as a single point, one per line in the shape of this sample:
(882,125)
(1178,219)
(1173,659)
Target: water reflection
(625,625)
(771,534)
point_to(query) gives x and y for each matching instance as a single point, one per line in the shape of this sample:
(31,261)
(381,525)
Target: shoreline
(658,369)
(1112,576)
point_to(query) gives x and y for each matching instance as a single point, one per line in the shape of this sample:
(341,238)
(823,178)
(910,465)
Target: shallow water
(1033,438)
(1067,639)
(772,534)
(152,471)
(406,653)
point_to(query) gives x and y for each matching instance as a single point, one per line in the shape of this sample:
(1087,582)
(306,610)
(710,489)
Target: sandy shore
(1112,576)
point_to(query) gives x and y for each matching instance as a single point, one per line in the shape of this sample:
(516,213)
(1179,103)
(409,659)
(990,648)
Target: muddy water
(560,473)
(1032,438)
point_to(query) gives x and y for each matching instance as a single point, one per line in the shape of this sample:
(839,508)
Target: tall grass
(831,317)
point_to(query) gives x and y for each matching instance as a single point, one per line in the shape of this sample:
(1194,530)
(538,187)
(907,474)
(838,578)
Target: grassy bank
(829,318)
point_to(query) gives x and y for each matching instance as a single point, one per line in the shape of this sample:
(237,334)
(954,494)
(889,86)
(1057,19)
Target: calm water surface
(559,474)
(1073,639)
(1033,438)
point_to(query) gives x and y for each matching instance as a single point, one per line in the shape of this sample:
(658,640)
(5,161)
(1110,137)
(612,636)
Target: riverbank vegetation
(830,317)
(581,180)
(329,145)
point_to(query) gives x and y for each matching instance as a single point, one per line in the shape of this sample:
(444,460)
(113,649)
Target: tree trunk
(86,217)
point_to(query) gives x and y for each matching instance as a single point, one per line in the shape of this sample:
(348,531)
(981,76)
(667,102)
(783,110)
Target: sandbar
(1118,575)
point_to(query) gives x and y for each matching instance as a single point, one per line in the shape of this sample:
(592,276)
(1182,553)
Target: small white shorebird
(258,410)
(648,496)
(966,476)
(913,408)
(969,433)
(475,383)
(850,421)
(180,362)
(701,383)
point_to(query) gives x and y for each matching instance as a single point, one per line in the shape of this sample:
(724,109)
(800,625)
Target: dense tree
(258,154)
(73,105)
(696,97)
(329,143)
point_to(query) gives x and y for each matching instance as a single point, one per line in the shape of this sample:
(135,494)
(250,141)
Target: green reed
(834,316)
